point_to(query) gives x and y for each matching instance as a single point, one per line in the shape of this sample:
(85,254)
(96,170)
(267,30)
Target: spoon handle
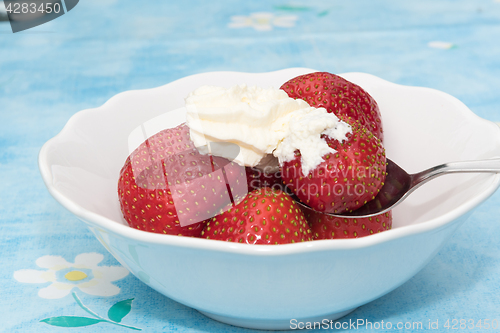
(490,165)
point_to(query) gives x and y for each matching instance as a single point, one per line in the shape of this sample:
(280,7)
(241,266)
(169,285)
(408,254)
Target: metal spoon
(399,184)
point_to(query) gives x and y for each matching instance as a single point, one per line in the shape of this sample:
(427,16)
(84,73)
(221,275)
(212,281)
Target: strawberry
(264,216)
(167,186)
(329,227)
(344,180)
(257,178)
(345,99)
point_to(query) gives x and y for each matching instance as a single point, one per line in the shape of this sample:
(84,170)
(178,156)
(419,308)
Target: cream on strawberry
(305,132)
(261,122)
(242,115)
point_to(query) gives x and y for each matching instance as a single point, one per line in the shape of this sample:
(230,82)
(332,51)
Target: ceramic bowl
(270,287)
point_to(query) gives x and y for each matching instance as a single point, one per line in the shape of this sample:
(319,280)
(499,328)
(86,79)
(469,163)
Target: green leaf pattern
(71,321)
(120,310)
(115,314)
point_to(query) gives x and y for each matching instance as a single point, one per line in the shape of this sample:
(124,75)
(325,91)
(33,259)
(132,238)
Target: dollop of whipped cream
(261,122)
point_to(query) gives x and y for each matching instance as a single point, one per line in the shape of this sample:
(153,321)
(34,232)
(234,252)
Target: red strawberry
(345,99)
(265,216)
(329,227)
(345,180)
(257,178)
(167,186)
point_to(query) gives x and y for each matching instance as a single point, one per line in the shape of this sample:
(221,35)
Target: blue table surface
(103,47)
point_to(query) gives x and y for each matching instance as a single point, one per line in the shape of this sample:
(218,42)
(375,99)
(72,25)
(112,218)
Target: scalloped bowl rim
(247,249)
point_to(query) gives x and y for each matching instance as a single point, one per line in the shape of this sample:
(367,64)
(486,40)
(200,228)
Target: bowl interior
(423,128)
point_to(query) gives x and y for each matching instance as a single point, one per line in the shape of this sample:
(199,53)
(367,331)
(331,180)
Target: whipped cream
(304,134)
(261,122)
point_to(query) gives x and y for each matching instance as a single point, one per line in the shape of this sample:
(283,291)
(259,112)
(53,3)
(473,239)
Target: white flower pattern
(262,21)
(84,274)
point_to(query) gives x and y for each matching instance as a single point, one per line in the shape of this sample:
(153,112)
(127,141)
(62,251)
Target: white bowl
(266,286)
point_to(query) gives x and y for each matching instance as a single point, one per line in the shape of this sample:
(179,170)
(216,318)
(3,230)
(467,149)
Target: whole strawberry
(344,180)
(265,216)
(329,227)
(167,186)
(345,99)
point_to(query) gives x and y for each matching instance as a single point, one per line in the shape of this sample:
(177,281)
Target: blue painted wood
(103,47)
